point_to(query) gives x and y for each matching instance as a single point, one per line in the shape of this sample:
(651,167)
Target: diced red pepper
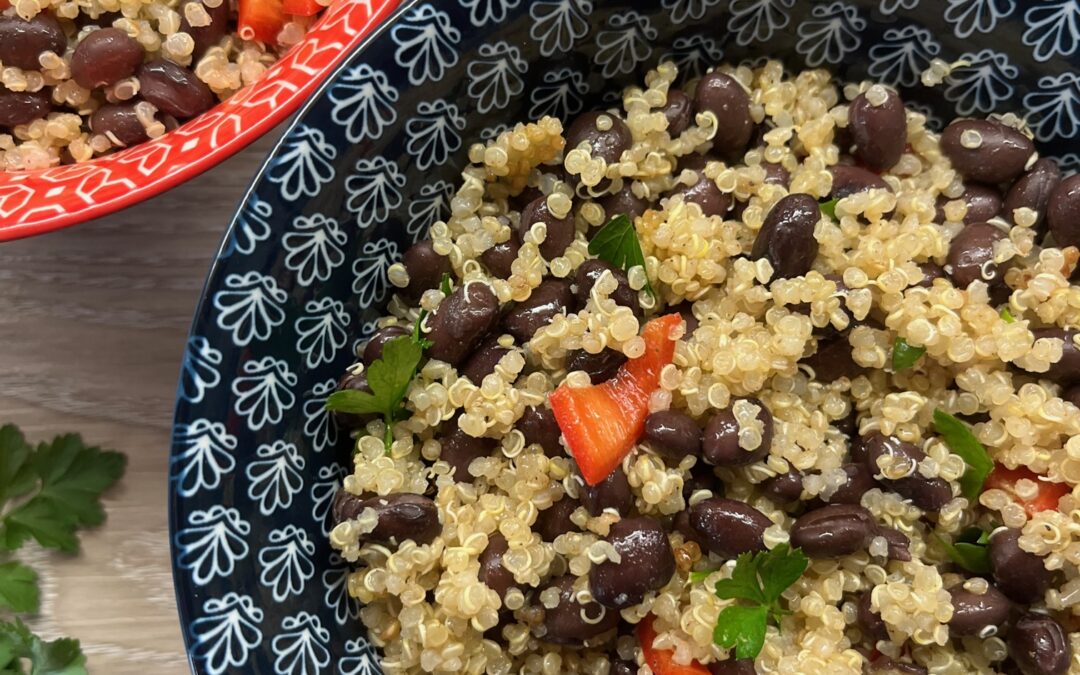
(603,421)
(261,20)
(662,661)
(1002,478)
(302,7)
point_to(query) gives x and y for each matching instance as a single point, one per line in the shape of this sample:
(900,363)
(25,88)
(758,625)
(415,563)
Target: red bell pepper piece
(602,422)
(662,661)
(302,7)
(261,20)
(1002,478)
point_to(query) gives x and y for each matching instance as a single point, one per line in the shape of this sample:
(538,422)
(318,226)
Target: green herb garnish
(617,243)
(828,207)
(417,334)
(1007,316)
(700,575)
(962,442)
(445,285)
(758,579)
(47,493)
(388,378)
(904,355)
(970,550)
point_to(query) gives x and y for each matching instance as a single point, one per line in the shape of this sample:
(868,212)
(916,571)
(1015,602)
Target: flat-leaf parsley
(617,243)
(759,579)
(962,442)
(904,355)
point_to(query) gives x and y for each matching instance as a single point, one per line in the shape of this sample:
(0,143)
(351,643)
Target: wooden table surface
(92,326)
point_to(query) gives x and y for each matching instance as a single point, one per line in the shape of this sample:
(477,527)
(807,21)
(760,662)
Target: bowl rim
(173,497)
(149,187)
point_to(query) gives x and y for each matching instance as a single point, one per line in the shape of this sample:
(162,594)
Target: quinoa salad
(83,78)
(753,372)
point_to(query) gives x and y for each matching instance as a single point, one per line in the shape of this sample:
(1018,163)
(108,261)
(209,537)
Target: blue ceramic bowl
(372,162)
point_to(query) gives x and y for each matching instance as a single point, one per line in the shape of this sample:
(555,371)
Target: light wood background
(92,327)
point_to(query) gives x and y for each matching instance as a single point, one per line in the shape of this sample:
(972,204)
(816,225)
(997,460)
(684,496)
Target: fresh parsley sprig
(388,379)
(47,494)
(962,442)
(904,355)
(970,550)
(1007,316)
(828,208)
(759,579)
(617,243)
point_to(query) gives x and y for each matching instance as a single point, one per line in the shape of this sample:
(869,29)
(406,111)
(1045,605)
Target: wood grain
(92,326)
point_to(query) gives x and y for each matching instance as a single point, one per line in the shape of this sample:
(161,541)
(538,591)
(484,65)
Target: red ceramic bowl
(34,202)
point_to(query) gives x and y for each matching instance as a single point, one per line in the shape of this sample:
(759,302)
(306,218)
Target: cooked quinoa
(471,527)
(83,78)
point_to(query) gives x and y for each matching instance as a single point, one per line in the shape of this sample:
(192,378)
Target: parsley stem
(388,435)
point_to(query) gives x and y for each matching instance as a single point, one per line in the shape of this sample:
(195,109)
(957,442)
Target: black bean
(346,506)
(983,203)
(355,382)
(870,622)
(492,572)
(848,179)
(105,57)
(726,98)
(210,35)
(1019,574)
(119,122)
(784,488)
(1033,190)
(678,110)
(982,615)
(998,154)
(898,543)
(461,322)
(611,493)
(425,268)
(560,231)
(23,42)
(646,564)
(859,481)
(403,516)
(555,520)
(622,667)
(1066,370)
(833,360)
(686,311)
(883,664)
(22,107)
(175,90)
(776,174)
(704,191)
(1039,645)
(551,297)
(500,258)
(623,203)
(1063,213)
(564,622)
(733,666)
(538,425)
(786,237)
(681,524)
(702,477)
(878,131)
(728,527)
(929,494)
(600,367)
(608,144)
(931,271)
(530,192)
(720,445)
(833,531)
(673,434)
(374,348)
(459,449)
(1072,395)
(590,271)
(971,255)
(483,361)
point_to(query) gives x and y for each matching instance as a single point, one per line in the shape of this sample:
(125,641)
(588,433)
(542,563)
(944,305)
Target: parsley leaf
(59,657)
(829,207)
(1007,316)
(904,355)
(970,550)
(700,575)
(388,378)
(742,628)
(617,243)
(962,442)
(18,588)
(759,579)
(444,285)
(16,474)
(64,494)
(417,333)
